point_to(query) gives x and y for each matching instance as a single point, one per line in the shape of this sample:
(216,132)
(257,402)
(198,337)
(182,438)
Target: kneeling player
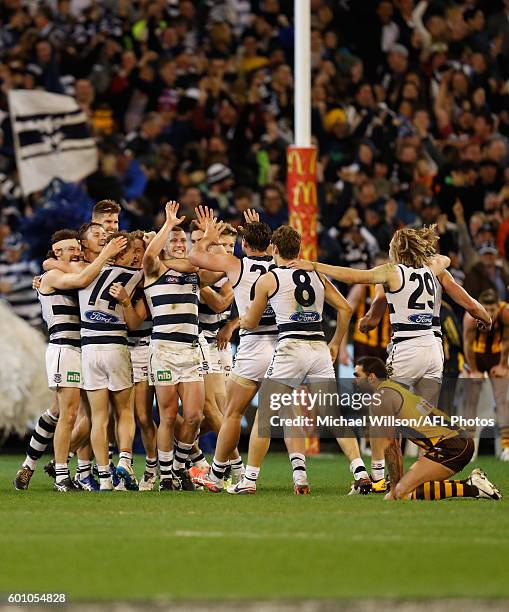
(446,450)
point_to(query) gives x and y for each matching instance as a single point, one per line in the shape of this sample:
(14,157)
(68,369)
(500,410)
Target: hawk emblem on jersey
(421,319)
(306,316)
(97,316)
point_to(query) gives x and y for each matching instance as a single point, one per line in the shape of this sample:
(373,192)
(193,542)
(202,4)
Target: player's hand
(224,335)
(334,351)
(251,215)
(213,230)
(366,325)
(459,211)
(483,325)
(36,282)
(302,264)
(476,375)
(114,247)
(499,371)
(203,214)
(117,290)
(171,210)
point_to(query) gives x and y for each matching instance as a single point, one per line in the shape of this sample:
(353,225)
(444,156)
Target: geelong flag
(51,139)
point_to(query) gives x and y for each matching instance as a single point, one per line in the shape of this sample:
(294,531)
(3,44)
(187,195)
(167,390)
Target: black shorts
(485,361)
(453,453)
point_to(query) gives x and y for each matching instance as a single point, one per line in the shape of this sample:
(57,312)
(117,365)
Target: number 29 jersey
(412,306)
(102,317)
(298,304)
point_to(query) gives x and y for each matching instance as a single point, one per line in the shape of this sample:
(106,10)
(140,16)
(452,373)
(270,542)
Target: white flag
(51,139)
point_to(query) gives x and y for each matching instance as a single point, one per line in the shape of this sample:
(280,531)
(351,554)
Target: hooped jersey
(381,335)
(490,342)
(102,316)
(412,306)
(141,335)
(298,304)
(173,302)
(251,268)
(61,313)
(210,322)
(424,424)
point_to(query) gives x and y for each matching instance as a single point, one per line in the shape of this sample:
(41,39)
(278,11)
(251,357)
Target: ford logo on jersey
(421,319)
(306,316)
(100,317)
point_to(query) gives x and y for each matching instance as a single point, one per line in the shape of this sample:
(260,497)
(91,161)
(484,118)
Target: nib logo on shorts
(73,377)
(163,375)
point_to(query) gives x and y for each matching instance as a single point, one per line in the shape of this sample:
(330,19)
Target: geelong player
(255,349)
(107,369)
(301,356)
(446,449)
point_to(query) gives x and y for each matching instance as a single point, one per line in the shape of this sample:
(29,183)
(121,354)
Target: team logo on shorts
(57,378)
(73,377)
(163,375)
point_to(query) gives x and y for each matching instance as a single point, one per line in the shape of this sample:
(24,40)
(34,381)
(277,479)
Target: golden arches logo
(294,159)
(308,191)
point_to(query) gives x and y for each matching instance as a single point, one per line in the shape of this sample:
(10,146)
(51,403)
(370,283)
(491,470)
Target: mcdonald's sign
(303,196)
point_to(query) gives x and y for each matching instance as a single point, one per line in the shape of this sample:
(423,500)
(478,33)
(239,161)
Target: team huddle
(133,315)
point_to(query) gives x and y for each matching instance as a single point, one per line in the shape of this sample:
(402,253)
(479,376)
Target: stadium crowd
(193,100)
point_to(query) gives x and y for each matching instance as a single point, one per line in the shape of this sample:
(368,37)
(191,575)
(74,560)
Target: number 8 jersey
(102,317)
(411,307)
(298,304)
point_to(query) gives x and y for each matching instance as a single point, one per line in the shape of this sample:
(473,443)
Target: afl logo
(306,316)
(96,316)
(421,319)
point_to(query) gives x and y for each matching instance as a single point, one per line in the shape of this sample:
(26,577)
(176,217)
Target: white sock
(298,461)
(151,465)
(252,473)
(84,467)
(358,469)
(31,463)
(378,469)
(61,471)
(165,461)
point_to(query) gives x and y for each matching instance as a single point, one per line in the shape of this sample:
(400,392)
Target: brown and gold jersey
(381,335)
(490,342)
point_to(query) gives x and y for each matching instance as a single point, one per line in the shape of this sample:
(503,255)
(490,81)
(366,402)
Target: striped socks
(41,437)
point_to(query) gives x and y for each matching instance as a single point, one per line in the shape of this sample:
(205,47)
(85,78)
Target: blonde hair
(414,247)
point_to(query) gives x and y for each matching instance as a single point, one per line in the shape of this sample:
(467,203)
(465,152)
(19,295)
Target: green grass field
(152,546)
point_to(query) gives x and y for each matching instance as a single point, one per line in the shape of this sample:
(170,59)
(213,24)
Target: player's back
(251,268)
(298,304)
(102,317)
(61,313)
(412,306)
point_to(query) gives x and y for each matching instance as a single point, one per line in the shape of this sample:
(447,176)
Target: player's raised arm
(151,261)
(439,263)
(266,285)
(55,264)
(464,299)
(344,313)
(218,302)
(87,275)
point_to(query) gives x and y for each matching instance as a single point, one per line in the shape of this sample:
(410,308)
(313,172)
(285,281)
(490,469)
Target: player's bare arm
(386,274)
(218,302)
(469,333)
(152,265)
(134,314)
(214,262)
(344,313)
(78,280)
(266,285)
(394,463)
(465,300)
(224,335)
(376,311)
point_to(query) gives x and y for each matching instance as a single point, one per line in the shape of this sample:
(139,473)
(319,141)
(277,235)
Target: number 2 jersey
(412,306)
(102,317)
(298,304)
(251,268)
